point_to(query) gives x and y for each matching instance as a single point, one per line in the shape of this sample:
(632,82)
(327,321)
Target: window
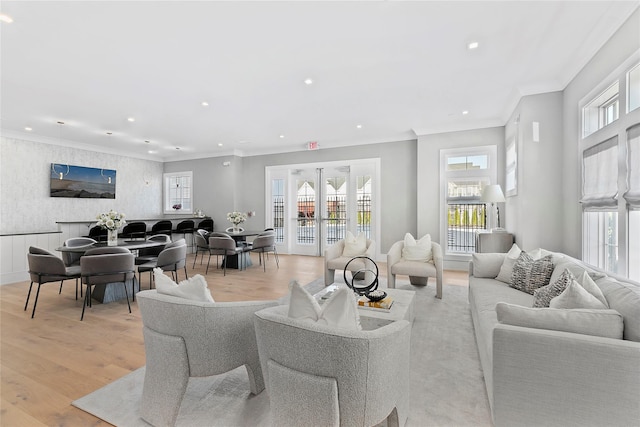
(466,172)
(363,194)
(511,169)
(611,172)
(178,194)
(277,204)
(601,111)
(633,88)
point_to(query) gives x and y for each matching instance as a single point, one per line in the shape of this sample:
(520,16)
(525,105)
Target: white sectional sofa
(550,377)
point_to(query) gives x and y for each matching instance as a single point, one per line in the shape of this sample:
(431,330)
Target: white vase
(236,228)
(112,237)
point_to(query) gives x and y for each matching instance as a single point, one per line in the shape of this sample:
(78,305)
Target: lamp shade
(492,194)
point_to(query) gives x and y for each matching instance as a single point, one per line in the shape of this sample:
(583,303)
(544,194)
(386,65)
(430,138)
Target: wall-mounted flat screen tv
(82,182)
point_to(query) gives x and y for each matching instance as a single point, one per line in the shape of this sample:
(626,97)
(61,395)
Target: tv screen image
(82,182)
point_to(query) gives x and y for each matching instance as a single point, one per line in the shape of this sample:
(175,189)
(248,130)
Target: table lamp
(493,194)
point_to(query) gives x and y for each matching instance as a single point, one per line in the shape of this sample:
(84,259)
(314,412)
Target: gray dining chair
(172,258)
(263,244)
(225,245)
(102,266)
(45,267)
(73,258)
(151,254)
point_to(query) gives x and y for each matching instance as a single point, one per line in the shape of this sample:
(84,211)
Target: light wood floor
(53,359)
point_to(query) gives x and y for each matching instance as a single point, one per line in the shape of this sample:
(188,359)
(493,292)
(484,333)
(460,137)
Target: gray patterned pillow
(529,275)
(543,296)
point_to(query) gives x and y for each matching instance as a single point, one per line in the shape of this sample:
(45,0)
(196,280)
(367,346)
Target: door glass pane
(363,193)
(306,204)
(336,205)
(277,204)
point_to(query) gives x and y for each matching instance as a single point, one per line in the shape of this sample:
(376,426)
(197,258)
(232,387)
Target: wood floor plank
(53,359)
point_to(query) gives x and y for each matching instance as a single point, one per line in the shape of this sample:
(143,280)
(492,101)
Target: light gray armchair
(333,260)
(418,272)
(318,375)
(185,338)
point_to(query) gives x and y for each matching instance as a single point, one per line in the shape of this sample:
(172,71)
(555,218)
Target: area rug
(447,388)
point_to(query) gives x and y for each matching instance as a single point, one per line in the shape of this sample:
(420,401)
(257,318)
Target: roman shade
(600,176)
(632,195)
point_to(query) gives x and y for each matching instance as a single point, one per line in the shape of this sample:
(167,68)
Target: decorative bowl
(376,295)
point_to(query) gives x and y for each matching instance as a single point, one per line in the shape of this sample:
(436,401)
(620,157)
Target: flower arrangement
(111,220)
(177,206)
(237,218)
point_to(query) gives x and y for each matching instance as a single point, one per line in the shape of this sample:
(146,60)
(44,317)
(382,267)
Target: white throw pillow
(354,246)
(600,323)
(587,282)
(575,296)
(339,311)
(487,264)
(194,288)
(417,250)
(507,265)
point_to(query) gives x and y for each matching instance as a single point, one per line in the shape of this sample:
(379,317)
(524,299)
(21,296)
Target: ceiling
(395,69)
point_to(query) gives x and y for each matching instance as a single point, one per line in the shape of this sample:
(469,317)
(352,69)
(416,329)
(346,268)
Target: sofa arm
(552,378)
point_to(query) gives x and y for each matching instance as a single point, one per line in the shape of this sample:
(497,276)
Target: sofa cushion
(414,268)
(529,274)
(417,250)
(543,296)
(575,296)
(624,298)
(354,246)
(601,323)
(575,267)
(588,284)
(487,264)
(506,270)
(339,311)
(194,288)
(340,262)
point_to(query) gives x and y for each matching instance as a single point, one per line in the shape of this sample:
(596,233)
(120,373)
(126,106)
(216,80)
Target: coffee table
(402,308)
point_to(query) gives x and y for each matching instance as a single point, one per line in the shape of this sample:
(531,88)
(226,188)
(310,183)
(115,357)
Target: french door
(313,206)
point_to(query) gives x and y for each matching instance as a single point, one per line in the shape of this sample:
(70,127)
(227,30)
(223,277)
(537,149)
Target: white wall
(24,186)
(535,213)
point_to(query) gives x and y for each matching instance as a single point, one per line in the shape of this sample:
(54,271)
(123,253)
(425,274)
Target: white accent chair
(185,338)
(418,272)
(324,376)
(333,260)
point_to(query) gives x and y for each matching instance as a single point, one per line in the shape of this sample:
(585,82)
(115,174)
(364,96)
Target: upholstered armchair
(336,259)
(185,338)
(418,271)
(325,376)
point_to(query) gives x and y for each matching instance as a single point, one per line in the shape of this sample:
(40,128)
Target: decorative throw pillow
(575,296)
(339,311)
(587,282)
(529,274)
(506,270)
(601,323)
(354,246)
(194,288)
(575,268)
(417,250)
(543,296)
(487,264)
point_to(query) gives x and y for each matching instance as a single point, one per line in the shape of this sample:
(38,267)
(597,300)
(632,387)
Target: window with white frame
(611,173)
(464,174)
(178,192)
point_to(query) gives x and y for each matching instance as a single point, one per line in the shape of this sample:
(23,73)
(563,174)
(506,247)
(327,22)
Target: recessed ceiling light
(465,112)
(308,81)
(6,18)
(205,104)
(359,126)
(151,152)
(131,119)
(473,45)
(281,136)
(220,144)
(28,129)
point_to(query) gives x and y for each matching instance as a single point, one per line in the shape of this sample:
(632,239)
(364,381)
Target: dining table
(112,291)
(241,241)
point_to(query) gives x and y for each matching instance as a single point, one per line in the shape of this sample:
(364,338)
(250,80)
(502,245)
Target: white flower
(111,220)
(236,217)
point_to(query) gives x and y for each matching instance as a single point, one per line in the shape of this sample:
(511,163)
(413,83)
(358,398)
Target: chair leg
(275,254)
(264,264)
(208,262)
(60,290)
(87,297)
(126,294)
(28,296)
(133,288)
(36,301)
(186,275)
(195,258)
